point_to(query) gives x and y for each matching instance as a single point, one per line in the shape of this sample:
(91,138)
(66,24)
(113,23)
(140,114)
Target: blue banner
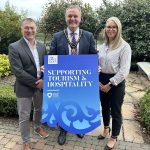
(71,92)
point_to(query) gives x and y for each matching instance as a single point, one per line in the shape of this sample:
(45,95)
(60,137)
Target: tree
(136,28)
(53,18)
(9,27)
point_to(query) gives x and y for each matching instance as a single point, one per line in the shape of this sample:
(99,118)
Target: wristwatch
(110,84)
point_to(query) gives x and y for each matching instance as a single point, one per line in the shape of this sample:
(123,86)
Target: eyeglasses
(111,27)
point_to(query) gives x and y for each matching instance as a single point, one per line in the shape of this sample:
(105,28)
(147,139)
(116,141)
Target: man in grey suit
(72,41)
(26,56)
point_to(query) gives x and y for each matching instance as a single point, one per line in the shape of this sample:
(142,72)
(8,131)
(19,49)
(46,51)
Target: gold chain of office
(72,45)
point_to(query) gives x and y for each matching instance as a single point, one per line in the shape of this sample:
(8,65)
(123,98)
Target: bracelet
(110,84)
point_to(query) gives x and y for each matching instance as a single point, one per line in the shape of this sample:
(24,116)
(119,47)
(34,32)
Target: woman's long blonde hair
(118,39)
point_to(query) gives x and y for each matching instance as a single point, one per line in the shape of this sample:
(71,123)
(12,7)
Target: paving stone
(132,132)
(46,147)
(128,98)
(137,95)
(4,141)
(10,144)
(1,137)
(9,136)
(78,148)
(145,146)
(131,89)
(39,145)
(139,87)
(96,132)
(1,146)
(88,149)
(16,138)
(68,147)
(71,142)
(128,111)
(17,147)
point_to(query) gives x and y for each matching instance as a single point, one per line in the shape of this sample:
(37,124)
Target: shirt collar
(29,42)
(76,32)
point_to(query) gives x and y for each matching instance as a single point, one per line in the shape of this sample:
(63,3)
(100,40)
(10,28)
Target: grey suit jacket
(59,44)
(24,67)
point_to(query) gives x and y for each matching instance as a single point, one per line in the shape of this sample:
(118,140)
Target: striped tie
(74,42)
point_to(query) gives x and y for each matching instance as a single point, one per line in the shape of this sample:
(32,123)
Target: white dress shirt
(115,61)
(35,56)
(70,38)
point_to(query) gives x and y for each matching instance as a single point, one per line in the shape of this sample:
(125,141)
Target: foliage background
(9,27)
(134,15)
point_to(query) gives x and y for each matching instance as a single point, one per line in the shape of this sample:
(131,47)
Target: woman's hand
(99,69)
(100,86)
(105,88)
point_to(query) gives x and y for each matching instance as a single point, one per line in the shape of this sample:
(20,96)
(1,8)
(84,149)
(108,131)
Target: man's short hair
(73,6)
(28,19)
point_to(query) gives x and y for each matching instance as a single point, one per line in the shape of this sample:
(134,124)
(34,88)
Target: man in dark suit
(72,41)
(26,56)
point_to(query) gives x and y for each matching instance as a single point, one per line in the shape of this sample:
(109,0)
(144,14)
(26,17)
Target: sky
(35,7)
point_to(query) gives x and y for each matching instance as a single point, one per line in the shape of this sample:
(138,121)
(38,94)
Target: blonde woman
(114,60)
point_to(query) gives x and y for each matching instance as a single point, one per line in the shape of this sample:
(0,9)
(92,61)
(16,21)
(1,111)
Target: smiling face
(73,18)
(111,30)
(29,30)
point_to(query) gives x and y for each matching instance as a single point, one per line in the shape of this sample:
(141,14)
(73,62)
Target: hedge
(8,103)
(144,105)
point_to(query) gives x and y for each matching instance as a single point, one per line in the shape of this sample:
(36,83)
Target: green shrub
(145,109)
(8,103)
(4,65)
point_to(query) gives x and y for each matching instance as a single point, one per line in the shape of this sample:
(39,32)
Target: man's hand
(39,84)
(42,68)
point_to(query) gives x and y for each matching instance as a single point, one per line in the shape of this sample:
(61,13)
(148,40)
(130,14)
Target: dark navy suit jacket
(59,44)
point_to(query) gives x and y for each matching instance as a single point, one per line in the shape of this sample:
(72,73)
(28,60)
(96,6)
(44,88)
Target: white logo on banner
(53,93)
(52,59)
(49,95)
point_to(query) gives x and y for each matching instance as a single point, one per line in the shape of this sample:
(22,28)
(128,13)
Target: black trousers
(111,103)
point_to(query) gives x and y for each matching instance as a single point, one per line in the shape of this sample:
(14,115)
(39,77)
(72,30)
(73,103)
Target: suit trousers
(111,103)
(24,109)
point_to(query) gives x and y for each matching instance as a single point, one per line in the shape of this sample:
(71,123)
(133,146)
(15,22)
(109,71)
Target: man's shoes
(27,146)
(80,135)
(41,132)
(62,137)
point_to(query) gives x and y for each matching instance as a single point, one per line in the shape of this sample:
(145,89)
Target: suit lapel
(81,43)
(66,42)
(66,46)
(27,50)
